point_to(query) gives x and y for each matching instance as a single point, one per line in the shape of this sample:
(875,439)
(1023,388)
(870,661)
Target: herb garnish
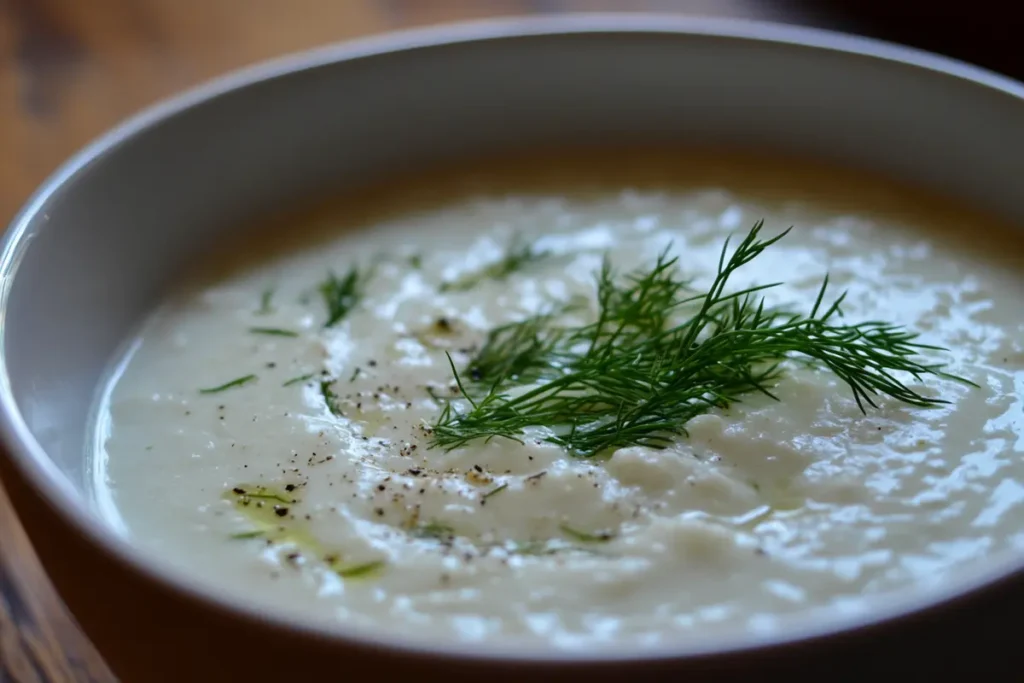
(584,537)
(261,493)
(516,257)
(248,534)
(265,307)
(546,548)
(228,385)
(330,398)
(359,570)
(637,375)
(273,331)
(296,380)
(493,492)
(436,530)
(341,294)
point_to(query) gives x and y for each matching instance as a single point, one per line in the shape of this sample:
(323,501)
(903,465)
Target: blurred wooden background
(69,69)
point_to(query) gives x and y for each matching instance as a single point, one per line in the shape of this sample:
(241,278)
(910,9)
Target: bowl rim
(25,453)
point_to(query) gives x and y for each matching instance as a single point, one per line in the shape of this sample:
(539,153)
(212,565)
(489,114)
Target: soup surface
(272,430)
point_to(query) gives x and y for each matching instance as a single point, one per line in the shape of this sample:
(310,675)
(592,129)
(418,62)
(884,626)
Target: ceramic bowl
(97,244)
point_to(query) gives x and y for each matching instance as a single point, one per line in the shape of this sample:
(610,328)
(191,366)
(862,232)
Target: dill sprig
(434,530)
(659,354)
(298,380)
(243,493)
(342,294)
(585,537)
(274,331)
(517,256)
(494,491)
(357,571)
(228,385)
(331,399)
(244,535)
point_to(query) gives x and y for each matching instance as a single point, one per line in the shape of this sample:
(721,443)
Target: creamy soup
(273,429)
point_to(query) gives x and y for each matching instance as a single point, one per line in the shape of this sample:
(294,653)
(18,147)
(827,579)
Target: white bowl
(96,245)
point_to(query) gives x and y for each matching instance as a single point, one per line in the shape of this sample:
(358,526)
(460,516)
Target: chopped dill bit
(265,298)
(229,385)
(248,534)
(273,331)
(261,493)
(535,549)
(494,491)
(416,261)
(341,295)
(355,373)
(515,352)
(584,537)
(437,530)
(360,570)
(330,398)
(658,354)
(516,257)
(441,334)
(297,380)
(546,548)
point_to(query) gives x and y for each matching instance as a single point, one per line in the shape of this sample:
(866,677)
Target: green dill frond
(517,257)
(244,535)
(229,385)
(273,331)
(342,294)
(434,530)
(265,298)
(659,354)
(493,492)
(358,571)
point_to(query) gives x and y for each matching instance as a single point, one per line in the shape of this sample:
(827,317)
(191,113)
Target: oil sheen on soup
(353,415)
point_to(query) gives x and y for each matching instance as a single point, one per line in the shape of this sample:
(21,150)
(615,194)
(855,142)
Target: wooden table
(69,69)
